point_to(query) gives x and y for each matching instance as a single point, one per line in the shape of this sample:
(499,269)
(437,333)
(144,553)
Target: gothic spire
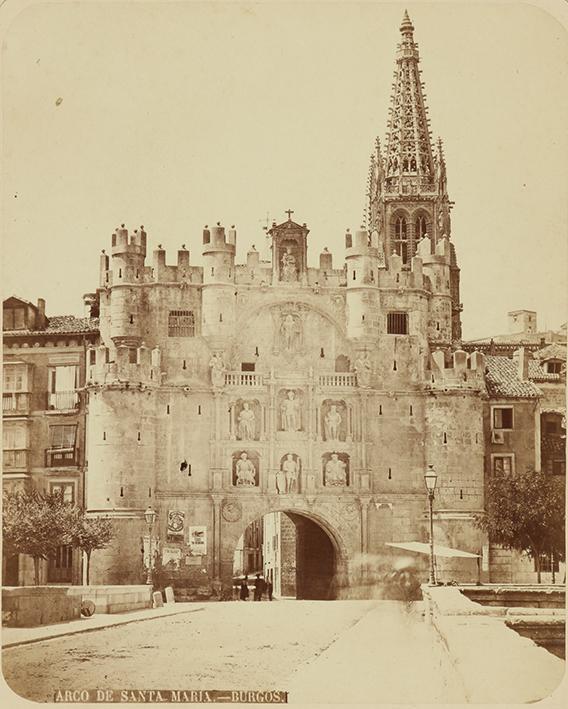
(409,156)
(375,179)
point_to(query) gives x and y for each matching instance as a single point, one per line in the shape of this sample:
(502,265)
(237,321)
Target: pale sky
(176,115)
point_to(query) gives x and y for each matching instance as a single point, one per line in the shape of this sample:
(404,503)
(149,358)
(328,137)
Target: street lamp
(150,517)
(430,479)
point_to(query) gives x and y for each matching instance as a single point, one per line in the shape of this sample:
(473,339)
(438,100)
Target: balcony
(15,459)
(61,457)
(14,403)
(244,379)
(63,401)
(338,379)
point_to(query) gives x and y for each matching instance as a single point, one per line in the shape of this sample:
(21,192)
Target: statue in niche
(335,472)
(289,271)
(291,332)
(290,468)
(245,471)
(332,424)
(363,370)
(246,423)
(217,366)
(290,412)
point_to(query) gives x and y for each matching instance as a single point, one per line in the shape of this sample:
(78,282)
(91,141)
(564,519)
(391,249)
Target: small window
(559,467)
(62,385)
(92,357)
(62,436)
(554,367)
(14,319)
(66,490)
(397,323)
(420,227)
(503,418)
(132,355)
(247,366)
(15,378)
(61,451)
(181,323)
(503,464)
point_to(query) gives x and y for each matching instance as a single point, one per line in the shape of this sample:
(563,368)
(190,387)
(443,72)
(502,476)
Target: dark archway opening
(291,550)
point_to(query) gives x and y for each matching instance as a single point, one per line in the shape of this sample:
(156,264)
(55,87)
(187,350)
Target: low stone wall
(528,596)
(27,606)
(114,599)
(496,665)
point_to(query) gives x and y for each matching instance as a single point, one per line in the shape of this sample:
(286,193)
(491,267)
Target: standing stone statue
(363,370)
(247,423)
(290,332)
(217,367)
(335,472)
(245,471)
(290,412)
(289,272)
(290,470)
(332,424)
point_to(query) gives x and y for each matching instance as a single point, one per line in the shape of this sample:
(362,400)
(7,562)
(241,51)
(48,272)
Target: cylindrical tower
(218,292)
(121,480)
(127,267)
(362,273)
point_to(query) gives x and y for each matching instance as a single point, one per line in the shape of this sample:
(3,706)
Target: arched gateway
(300,555)
(299,550)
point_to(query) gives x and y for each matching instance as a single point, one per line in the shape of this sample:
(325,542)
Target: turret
(436,267)
(218,299)
(128,255)
(127,268)
(362,272)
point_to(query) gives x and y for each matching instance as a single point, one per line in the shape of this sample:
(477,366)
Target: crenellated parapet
(132,365)
(459,371)
(127,263)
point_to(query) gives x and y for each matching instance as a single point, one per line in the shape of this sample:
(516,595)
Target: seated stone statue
(245,471)
(335,472)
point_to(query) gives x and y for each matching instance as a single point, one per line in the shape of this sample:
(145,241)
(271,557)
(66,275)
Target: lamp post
(150,517)
(430,479)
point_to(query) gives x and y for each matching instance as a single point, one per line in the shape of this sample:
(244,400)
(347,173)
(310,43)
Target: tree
(90,534)
(36,524)
(525,512)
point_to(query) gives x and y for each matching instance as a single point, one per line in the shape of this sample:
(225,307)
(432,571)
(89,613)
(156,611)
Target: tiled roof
(502,380)
(539,374)
(553,351)
(61,325)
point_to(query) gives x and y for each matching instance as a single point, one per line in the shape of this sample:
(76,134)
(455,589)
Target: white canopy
(423,548)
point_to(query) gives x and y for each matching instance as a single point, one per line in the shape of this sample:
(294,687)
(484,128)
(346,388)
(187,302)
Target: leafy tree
(36,524)
(90,534)
(525,512)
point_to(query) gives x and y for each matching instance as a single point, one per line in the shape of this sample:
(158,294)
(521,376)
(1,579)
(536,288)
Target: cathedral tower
(407,196)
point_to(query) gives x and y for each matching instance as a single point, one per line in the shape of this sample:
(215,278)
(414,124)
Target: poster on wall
(172,554)
(176,523)
(198,540)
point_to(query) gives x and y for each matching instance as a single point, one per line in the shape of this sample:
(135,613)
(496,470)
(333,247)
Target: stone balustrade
(338,379)
(244,379)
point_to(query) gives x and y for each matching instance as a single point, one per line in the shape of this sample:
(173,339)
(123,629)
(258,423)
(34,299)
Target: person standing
(269,588)
(258,588)
(244,591)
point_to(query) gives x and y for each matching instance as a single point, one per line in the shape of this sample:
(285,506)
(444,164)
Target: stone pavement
(23,636)
(390,656)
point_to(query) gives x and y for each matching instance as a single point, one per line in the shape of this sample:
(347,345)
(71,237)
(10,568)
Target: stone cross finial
(289,212)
